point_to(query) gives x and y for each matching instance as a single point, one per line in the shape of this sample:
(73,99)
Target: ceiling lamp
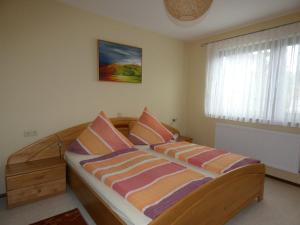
(187,10)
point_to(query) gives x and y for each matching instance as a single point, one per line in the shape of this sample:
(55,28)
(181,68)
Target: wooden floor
(281,206)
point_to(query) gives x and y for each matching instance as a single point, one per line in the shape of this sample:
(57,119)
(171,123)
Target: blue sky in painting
(119,54)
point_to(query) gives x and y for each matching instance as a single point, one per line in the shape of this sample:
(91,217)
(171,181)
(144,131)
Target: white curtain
(256,77)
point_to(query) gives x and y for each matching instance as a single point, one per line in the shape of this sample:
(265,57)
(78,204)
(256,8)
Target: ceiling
(222,15)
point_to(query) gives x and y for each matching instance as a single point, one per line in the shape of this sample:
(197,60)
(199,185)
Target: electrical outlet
(30,133)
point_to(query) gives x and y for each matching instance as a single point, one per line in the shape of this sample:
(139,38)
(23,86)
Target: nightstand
(183,138)
(34,180)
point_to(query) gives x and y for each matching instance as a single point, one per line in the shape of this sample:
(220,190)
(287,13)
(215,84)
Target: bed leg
(260,196)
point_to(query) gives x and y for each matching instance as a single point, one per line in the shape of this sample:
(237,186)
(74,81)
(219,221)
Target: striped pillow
(100,137)
(148,131)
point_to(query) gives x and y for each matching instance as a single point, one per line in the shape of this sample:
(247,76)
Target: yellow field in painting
(121,73)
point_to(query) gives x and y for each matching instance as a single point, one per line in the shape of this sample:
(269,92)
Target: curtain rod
(253,32)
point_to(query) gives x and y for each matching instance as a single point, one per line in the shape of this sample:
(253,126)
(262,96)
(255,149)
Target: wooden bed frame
(214,203)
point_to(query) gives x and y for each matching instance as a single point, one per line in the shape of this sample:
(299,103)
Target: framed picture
(119,63)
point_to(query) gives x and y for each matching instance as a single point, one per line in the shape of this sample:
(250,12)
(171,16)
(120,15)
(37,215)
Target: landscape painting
(119,63)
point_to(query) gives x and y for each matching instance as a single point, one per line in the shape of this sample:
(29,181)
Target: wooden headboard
(56,144)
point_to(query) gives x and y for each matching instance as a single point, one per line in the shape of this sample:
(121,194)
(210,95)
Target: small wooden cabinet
(184,138)
(34,180)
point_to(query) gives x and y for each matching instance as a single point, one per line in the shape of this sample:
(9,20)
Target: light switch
(30,133)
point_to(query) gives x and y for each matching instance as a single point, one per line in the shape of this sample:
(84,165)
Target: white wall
(48,72)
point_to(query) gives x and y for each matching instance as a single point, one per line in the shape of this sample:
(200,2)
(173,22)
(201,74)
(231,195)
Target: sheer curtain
(256,77)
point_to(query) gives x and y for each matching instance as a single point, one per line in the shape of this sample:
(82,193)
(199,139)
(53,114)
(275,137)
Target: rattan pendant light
(187,10)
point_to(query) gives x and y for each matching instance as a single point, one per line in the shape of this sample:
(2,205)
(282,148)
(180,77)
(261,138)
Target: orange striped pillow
(148,130)
(101,137)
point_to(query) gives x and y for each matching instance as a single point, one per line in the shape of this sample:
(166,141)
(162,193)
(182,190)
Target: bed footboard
(219,200)
(214,203)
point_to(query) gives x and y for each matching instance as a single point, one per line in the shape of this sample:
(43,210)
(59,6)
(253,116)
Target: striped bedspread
(214,160)
(149,183)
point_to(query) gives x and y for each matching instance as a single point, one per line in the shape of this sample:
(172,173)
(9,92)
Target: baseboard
(3,195)
(284,175)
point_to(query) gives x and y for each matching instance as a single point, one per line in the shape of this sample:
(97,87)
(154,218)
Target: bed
(212,204)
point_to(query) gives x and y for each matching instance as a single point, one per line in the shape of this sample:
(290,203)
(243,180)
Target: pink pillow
(100,137)
(148,130)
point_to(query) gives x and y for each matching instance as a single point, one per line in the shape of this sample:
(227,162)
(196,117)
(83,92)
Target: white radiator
(275,149)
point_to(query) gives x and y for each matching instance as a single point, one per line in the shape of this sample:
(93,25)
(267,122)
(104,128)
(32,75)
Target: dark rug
(72,217)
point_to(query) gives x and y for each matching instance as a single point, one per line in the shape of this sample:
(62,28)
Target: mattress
(129,214)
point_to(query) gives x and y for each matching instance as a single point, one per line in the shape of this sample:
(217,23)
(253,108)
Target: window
(256,77)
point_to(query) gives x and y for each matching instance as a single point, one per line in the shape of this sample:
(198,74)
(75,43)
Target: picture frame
(119,62)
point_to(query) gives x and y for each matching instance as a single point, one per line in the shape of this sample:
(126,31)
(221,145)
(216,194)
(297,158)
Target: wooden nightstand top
(32,166)
(184,138)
